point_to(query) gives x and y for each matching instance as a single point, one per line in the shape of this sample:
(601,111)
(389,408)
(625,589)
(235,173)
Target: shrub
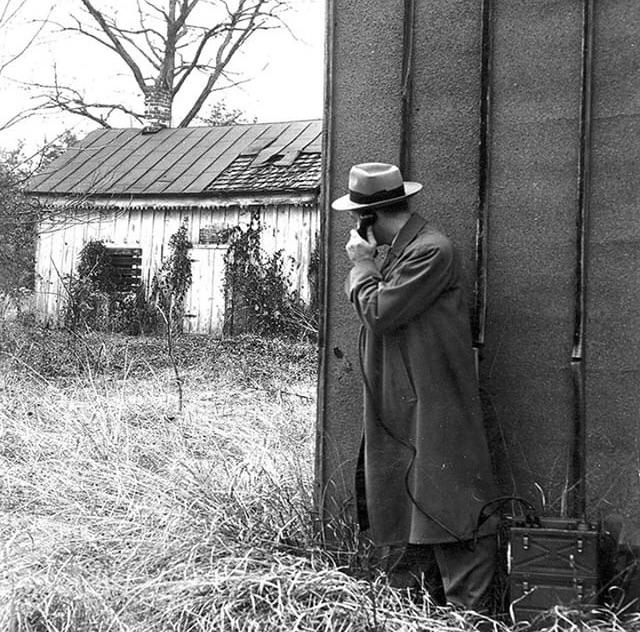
(95,302)
(258,291)
(18,217)
(172,282)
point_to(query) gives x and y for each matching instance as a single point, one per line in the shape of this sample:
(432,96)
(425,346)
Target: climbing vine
(173,280)
(91,292)
(258,292)
(97,301)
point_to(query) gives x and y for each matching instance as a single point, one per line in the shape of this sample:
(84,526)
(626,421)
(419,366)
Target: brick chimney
(157,108)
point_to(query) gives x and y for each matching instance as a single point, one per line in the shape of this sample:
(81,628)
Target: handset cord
(531,514)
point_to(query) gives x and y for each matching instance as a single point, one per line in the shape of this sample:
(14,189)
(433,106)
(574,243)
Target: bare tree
(173,46)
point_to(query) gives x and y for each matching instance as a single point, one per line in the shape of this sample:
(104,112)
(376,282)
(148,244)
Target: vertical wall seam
(409,21)
(325,213)
(482,221)
(577,481)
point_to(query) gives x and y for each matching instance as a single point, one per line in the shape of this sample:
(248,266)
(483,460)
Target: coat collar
(406,235)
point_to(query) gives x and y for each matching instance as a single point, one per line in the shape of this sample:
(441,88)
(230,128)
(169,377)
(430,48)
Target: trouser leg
(426,568)
(397,567)
(413,566)
(467,573)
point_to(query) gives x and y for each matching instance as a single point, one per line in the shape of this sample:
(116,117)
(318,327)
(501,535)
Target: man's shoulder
(429,238)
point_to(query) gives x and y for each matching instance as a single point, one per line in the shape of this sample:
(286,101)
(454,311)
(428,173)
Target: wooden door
(204,305)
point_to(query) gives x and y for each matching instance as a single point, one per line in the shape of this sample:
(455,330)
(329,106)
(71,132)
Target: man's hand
(358,249)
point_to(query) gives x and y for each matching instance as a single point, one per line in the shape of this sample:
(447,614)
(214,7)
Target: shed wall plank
(286,227)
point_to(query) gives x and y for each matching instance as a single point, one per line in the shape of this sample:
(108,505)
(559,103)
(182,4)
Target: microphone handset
(364,221)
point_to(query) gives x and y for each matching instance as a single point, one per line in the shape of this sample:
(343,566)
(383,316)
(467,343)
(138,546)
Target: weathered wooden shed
(133,188)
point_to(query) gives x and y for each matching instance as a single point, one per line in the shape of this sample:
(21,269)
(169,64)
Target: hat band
(378,196)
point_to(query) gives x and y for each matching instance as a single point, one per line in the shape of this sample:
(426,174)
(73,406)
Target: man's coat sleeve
(415,280)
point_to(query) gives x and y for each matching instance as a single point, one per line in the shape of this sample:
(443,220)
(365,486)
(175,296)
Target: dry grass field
(120,513)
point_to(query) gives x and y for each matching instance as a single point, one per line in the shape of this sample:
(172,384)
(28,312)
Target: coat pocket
(398,392)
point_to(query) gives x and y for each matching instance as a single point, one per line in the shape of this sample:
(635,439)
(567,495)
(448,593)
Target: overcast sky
(287,72)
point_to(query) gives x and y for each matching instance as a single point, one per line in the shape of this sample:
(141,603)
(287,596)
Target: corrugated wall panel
(534,148)
(443,122)
(613,327)
(532,241)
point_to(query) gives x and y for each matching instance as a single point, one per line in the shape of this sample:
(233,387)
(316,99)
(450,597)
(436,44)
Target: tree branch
(170,55)
(147,32)
(222,56)
(122,52)
(5,16)
(193,65)
(79,28)
(155,63)
(70,100)
(4,22)
(155,7)
(185,10)
(17,118)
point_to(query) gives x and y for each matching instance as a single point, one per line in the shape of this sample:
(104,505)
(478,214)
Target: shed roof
(259,157)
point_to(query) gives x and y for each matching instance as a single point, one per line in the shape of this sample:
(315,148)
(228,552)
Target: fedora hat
(375,184)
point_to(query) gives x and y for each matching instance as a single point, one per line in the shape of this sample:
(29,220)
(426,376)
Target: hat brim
(344,203)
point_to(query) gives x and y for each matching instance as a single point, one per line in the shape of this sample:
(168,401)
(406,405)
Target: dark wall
(534,146)
(613,327)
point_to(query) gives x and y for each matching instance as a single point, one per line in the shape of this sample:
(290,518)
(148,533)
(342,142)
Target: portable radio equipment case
(554,562)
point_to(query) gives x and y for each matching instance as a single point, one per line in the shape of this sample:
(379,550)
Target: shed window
(214,235)
(128,265)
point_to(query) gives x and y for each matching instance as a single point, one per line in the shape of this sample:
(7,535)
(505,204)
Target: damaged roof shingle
(302,173)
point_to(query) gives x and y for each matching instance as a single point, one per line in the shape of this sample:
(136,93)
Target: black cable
(531,515)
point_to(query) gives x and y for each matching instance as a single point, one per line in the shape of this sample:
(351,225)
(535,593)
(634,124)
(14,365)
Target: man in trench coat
(427,469)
